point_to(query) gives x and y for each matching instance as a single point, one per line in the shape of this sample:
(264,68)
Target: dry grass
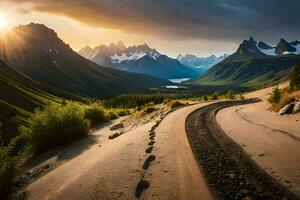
(173,104)
(287,98)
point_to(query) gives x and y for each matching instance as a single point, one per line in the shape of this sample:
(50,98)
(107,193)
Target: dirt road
(113,169)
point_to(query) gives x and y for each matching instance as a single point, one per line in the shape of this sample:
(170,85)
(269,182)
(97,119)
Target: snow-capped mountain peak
(119,53)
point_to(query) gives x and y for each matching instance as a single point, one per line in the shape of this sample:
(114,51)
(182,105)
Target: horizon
(217,31)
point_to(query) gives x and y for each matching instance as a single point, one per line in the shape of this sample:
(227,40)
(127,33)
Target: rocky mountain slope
(140,59)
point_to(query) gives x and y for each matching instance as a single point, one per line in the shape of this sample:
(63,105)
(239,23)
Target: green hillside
(20,95)
(249,73)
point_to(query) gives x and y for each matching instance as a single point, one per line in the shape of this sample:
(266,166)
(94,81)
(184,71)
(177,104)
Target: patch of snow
(270,52)
(127,57)
(287,52)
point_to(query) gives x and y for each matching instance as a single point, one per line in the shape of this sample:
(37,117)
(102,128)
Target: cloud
(182,19)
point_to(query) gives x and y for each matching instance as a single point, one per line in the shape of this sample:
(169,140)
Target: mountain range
(200,64)
(38,52)
(139,59)
(254,64)
(253,49)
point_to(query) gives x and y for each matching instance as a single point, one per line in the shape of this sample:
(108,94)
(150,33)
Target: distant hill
(253,65)
(139,59)
(200,64)
(37,51)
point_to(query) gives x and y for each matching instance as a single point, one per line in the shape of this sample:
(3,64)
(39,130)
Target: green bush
(295,78)
(230,94)
(9,170)
(205,98)
(275,96)
(111,115)
(95,113)
(56,125)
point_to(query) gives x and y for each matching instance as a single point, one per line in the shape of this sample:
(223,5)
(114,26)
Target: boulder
(113,136)
(296,107)
(117,126)
(288,109)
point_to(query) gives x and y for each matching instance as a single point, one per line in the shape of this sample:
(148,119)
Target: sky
(201,27)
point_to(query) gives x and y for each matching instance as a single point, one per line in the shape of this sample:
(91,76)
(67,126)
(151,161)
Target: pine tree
(275,96)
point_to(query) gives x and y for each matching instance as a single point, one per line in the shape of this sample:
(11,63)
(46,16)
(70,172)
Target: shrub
(95,114)
(205,98)
(9,170)
(56,125)
(285,99)
(122,113)
(111,115)
(275,96)
(241,97)
(230,94)
(295,78)
(176,104)
(214,96)
(149,109)
(166,101)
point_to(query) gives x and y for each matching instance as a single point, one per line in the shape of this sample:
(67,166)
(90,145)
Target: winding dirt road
(115,169)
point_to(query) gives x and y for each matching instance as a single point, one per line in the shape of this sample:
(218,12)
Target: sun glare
(3,21)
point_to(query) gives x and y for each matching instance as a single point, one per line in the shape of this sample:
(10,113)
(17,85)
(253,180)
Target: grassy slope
(250,73)
(20,95)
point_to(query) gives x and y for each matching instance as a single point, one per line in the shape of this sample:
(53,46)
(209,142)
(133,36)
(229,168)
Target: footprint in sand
(149,149)
(152,138)
(147,162)
(151,143)
(141,186)
(151,133)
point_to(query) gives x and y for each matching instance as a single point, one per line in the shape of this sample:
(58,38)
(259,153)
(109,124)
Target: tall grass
(285,99)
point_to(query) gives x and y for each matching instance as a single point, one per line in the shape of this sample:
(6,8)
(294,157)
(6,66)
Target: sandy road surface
(112,169)
(273,141)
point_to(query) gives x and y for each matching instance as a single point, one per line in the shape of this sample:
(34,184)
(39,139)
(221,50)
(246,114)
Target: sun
(3,21)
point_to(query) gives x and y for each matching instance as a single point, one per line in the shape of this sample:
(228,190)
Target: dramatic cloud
(182,19)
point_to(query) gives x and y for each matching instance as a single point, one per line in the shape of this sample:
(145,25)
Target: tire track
(237,111)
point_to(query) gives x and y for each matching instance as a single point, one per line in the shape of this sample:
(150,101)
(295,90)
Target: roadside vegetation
(281,97)
(51,126)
